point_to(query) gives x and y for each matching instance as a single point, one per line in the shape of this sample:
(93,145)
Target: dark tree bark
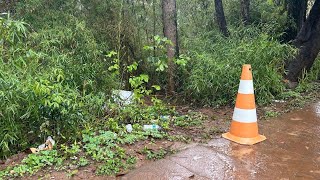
(169,18)
(297,10)
(221,19)
(308,42)
(245,11)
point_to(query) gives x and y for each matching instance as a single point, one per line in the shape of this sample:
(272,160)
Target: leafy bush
(33,163)
(214,76)
(267,12)
(51,82)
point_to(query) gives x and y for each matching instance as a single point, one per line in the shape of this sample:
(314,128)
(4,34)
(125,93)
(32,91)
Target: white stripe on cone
(245,115)
(246,87)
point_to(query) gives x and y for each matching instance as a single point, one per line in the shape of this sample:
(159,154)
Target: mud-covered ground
(291,151)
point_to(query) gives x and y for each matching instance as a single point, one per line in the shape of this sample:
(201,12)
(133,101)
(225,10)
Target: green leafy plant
(71,151)
(103,147)
(271,114)
(82,162)
(49,83)
(33,163)
(189,120)
(160,154)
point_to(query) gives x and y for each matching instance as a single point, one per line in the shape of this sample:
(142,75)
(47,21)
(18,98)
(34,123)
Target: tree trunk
(169,18)
(245,7)
(308,42)
(297,10)
(221,19)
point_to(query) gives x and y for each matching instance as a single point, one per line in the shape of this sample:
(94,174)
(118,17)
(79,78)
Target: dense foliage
(60,60)
(49,82)
(214,73)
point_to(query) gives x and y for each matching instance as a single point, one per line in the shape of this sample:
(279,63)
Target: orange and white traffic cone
(244,126)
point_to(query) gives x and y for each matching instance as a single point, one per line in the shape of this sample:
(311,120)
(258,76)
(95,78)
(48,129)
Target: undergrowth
(215,72)
(50,83)
(103,143)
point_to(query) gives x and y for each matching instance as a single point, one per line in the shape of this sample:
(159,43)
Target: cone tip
(246,72)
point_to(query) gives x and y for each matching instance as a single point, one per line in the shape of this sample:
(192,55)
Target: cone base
(245,141)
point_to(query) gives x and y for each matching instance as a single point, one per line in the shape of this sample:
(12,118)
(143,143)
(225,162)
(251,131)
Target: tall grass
(305,83)
(51,82)
(215,72)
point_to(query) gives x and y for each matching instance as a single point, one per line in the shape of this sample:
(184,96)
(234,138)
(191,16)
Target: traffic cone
(244,126)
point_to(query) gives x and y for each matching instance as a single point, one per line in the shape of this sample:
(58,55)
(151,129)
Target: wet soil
(291,151)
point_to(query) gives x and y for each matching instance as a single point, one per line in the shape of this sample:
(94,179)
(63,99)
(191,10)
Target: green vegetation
(271,114)
(190,119)
(214,77)
(103,147)
(155,154)
(33,163)
(61,62)
(43,91)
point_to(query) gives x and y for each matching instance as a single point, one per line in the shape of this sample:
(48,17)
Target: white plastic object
(41,147)
(51,140)
(151,127)
(45,145)
(165,118)
(129,128)
(122,97)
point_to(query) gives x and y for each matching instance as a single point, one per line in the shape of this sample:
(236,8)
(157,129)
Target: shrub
(214,76)
(313,75)
(268,12)
(51,81)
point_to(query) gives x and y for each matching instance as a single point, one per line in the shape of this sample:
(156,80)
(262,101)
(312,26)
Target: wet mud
(291,151)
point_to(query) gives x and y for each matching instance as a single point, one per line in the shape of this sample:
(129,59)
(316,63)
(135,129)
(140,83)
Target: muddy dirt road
(291,151)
